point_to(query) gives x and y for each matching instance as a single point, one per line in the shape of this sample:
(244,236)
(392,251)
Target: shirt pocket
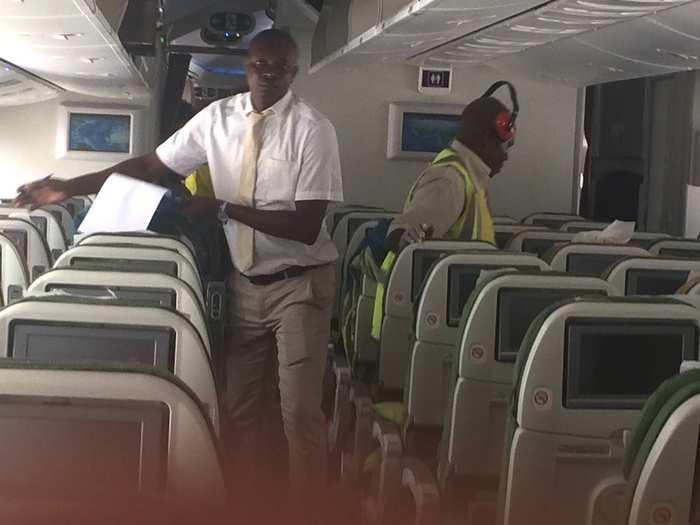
(276,182)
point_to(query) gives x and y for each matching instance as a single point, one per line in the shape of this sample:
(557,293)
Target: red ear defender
(505,120)
(504,126)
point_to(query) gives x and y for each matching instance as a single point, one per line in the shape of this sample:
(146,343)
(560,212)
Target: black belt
(288,273)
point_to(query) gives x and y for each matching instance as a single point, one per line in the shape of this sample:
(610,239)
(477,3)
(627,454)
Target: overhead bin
(18,86)
(403,29)
(570,42)
(72,44)
(581,42)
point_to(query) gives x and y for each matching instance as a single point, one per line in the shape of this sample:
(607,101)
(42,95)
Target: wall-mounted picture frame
(418,131)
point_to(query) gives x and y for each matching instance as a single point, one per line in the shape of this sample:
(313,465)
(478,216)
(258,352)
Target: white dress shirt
(298,161)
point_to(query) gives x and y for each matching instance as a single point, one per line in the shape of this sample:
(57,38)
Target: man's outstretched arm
(48,190)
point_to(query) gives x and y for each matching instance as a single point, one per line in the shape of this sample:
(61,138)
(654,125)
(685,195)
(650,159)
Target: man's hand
(200,209)
(414,234)
(41,192)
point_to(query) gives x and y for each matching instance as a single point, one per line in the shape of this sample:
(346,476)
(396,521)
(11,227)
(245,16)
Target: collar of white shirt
(476,167)
(277,108)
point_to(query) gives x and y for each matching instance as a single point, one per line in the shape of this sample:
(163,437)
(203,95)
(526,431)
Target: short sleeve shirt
(298,161)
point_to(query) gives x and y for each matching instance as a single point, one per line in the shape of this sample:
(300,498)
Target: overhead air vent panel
(555,21)
(17,87)
(415,28)
(662,43)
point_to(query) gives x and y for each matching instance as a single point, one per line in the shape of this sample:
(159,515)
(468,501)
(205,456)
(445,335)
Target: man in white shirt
(275,167)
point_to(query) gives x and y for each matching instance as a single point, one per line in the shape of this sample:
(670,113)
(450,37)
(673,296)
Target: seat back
(438,314)
(50,227)
(132,258)
(61,213)
(67,330)
(590,259)
(494,324)
(346,226)
(333,215)
(14,277)
(646,239)
(651,275)
(88,436)
(583,226)
(505,232)
(683,248)
(503,219)
(74,205)
(550,220)
(404,283)
(574,399)
(344,282)
(30,243)
(537,242)
(142,239)
(147,289)
(661,460)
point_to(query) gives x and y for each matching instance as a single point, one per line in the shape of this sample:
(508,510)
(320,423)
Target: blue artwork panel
(99,133)
(428,131)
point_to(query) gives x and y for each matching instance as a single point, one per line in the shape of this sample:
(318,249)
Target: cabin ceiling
(573,42)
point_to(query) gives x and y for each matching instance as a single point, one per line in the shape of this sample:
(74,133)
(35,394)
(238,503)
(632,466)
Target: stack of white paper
(123,204)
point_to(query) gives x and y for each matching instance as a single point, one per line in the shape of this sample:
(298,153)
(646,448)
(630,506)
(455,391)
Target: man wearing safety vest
(450,200)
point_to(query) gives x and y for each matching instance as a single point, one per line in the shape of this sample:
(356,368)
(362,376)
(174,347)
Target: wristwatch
(221,214)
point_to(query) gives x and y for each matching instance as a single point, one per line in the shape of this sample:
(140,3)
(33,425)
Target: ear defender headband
(505,121)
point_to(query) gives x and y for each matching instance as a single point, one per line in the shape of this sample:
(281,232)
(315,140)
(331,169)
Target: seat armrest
(420,481)
(606,505)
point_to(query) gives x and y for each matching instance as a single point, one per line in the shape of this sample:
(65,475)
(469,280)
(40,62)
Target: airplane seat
(550,220)
(78,439)
(661,460)
(342,235)
(505,232)
(537,242)
(50,228)
(583,226)
(503,219)
(646,239)
(70,329)
(143,239)
(574,401)
(14,276)
(363,15)
(30,243)
(403,287)
(347,224)
(147,289)
(494,323)
(651,275)
(589,259)
(63,216)
(74,205)
(682,248)
(349,289)
(334,214)
(446,294)
(132,258)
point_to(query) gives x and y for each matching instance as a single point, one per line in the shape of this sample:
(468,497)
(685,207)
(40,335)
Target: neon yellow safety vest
(475,217)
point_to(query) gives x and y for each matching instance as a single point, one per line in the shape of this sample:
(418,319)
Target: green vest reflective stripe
(378,312)
(475,218)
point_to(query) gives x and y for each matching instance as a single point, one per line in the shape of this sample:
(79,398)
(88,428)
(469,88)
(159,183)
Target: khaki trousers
(291,316)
